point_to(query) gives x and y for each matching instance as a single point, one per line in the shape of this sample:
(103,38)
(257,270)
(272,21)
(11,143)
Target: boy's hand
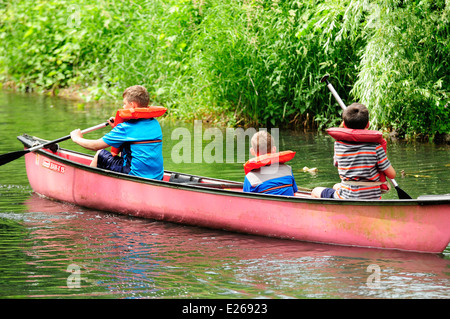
(76,135)
(111,121)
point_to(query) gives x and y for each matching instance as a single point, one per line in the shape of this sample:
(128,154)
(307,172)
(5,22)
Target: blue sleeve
(116,137)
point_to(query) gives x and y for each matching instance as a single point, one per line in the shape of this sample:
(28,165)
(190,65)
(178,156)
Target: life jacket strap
(356,183)
(276,187)
(145,142)
(115,151)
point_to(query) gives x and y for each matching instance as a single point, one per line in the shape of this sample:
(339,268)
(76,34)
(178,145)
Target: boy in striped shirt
(359,163)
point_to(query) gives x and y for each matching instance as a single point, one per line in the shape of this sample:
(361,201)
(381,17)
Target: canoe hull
(408,225)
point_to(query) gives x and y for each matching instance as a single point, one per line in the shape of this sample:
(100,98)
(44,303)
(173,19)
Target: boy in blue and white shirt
(275,179)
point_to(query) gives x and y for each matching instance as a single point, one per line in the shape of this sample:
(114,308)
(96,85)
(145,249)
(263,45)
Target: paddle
(9,157)
(401,193)
(238,186)
(229,185)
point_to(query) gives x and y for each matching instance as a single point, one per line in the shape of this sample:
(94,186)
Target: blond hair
(262,143)
(138,94)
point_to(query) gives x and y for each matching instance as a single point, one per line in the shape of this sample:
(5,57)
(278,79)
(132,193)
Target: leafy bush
(404,70)
(251,62)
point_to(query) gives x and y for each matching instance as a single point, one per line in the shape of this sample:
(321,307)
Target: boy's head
(356,116)
(262,143)
(136,95)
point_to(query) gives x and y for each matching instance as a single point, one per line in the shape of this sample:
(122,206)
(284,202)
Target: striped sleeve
(383,162)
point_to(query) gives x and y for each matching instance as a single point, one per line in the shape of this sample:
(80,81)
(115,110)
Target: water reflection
(122,257)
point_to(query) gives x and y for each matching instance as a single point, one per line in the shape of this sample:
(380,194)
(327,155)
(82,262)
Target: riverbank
(245,63)
(211,116)
(83,97)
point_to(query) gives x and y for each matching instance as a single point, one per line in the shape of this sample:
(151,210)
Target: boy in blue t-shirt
(140,141)
(276,179)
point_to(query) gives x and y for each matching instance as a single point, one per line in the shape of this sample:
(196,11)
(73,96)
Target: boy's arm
(247,186)
(93,145)
(294,185)
(390,172)
(383,161)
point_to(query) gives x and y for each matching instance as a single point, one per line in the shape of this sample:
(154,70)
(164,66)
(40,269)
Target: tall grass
(249,62)
(404,71)
(265,58)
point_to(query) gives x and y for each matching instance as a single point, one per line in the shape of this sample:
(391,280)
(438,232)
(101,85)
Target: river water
(42,242)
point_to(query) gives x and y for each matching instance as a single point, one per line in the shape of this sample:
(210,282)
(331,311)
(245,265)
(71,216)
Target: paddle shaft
(402,194)
(9,157)
(230,185)
(240,186)
(64,138)
(333,91)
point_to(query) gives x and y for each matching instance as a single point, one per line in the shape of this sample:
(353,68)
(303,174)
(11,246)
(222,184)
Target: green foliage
(255,62)
(404,72)
(103,46)
(265,58)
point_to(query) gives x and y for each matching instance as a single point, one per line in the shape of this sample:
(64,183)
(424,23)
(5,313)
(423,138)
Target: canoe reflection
(133,257)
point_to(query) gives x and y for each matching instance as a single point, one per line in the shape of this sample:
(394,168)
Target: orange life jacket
(124,115)
(364,136)
(268,159)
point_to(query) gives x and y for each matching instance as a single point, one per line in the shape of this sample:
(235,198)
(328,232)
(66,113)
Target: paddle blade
(9,157)
(402,194)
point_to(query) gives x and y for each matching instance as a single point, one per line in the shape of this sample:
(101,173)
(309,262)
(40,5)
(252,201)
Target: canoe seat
(184,179)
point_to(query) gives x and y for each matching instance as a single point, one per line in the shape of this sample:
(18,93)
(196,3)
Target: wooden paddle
(9,157)
(401,193)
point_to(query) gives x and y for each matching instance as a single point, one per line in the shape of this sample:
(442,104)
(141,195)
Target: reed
(250,62)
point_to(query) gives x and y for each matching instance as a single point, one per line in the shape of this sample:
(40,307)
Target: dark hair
(138,94)
(356,116)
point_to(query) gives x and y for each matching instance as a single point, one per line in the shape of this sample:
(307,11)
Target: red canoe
(420,225)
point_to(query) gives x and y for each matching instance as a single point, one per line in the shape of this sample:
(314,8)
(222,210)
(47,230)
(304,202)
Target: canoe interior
(173,177)
(214,183)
